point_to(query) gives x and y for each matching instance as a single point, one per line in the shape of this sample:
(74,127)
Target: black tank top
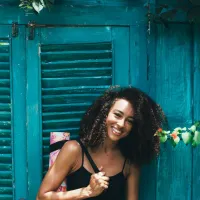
(81,178)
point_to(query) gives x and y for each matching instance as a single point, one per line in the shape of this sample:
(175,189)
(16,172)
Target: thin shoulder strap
(95,168)
(82,154)
(124,164)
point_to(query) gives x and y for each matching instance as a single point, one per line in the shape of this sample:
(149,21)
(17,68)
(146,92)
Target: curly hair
(140,146)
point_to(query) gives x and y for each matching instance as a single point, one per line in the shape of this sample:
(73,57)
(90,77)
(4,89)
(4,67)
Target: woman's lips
(116,131)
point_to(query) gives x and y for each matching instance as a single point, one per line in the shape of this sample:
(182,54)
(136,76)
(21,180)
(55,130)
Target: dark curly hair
(140,146)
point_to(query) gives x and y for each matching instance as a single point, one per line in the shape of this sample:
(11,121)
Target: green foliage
(36,5)
(165,12)
(188,135)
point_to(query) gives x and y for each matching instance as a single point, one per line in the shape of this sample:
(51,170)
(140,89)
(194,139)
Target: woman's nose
(121,122)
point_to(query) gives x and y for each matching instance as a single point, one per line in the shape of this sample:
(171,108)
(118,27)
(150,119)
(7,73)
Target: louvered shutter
(6,176)
(73,76)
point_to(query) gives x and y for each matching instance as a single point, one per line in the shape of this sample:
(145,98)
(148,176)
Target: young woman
(116,138)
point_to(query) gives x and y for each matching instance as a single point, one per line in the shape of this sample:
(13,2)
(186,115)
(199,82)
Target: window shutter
(6,191)
(73,76)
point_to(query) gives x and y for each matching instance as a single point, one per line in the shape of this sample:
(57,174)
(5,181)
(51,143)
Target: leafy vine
(188,135)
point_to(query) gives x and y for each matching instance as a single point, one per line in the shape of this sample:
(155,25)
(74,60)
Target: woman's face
(120,120)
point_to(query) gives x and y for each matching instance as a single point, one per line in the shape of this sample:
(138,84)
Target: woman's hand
(98,183)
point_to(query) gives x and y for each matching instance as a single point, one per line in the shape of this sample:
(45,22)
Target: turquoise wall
(93,44)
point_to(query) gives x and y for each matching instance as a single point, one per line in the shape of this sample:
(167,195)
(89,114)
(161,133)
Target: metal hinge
(15,29)
(31,30)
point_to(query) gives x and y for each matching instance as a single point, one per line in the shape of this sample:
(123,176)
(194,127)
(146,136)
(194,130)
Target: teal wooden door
(6,135)
(179,96)
(67,68)
(13,182)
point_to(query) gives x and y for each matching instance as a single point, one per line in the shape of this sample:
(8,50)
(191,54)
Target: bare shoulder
(71,149)
(72,146)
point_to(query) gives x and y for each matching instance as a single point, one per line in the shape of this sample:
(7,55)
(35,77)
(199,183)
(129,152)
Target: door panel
(13,182)
(75,65)
(73,75)
(6,137)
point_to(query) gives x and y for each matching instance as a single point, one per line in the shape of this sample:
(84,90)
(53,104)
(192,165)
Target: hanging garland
(188,135)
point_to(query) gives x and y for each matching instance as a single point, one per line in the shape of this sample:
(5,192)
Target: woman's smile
(119,120)
(116,131)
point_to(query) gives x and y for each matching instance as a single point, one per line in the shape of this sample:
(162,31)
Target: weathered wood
(142,69)
(121,56)
(76,15)
(174,94)
(34,130)
(19,114)
(196,111)
(86,3)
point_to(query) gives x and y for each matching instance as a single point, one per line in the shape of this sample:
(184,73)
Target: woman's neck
(107,147)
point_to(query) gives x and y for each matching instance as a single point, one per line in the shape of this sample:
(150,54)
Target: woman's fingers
(101,168)
(100,178)
(101,173)
(104,186)
(102,182)
(105,178)
(99,183)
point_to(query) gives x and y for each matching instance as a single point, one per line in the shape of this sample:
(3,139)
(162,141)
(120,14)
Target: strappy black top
(81,178)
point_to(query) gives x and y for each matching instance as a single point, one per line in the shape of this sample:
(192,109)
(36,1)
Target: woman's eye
(130,121)
(117,114)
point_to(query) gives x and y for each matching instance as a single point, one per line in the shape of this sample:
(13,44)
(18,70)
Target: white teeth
(116,130)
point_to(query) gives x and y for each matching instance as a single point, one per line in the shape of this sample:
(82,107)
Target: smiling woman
(116,138)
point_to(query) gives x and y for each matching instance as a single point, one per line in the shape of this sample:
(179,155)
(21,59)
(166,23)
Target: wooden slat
(73,55)
(74,90)
(89,72)
(66,99)
(76,47)
(78,64)
(5,142)
(63,115)
(76,81)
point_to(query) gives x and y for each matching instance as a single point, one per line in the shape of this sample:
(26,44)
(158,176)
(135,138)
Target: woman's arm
(65,163)
(133,182)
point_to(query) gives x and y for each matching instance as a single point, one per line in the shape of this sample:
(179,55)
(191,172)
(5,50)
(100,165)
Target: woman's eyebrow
(119,111)
(123,113)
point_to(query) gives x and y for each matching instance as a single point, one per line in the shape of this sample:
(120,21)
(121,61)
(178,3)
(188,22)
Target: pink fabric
(55,137)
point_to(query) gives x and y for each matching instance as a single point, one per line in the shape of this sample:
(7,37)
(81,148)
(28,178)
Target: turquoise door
(13,179)
(67,68)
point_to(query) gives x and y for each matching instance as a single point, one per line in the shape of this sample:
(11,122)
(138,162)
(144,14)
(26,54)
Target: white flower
(38,6)
(177,140)
(197,137)
(187,137)
(166,132)
(193,128)
(178,129)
